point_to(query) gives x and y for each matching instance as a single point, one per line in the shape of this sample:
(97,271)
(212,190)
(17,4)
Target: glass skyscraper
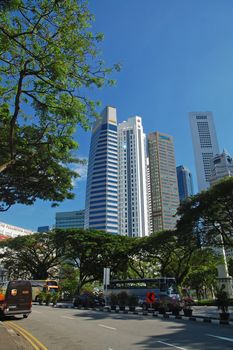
(102,178)
(185,182)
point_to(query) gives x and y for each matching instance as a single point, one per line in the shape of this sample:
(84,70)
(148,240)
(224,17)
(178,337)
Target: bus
(162,288)
(38,286)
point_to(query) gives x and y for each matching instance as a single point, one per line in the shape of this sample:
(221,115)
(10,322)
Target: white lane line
(173,346)
(70,318)
(222,338)
(102,325)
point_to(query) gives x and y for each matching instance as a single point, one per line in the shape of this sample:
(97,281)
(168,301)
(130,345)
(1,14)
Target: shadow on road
(197,338)
(183,334)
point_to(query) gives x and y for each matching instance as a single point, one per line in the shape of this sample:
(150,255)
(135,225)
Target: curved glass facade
(102,177)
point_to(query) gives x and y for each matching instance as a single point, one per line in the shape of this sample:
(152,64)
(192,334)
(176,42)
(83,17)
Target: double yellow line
(36,344)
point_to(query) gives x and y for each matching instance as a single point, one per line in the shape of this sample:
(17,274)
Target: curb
(153,314)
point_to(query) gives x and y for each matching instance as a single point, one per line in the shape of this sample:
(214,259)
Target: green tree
(173,253)
(142,262)
(68,279)
(90,251)
(33,256)
(203,273)
(48,59)
(209,215)
(166,254)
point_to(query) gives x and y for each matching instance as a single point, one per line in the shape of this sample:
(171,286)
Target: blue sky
(176,56)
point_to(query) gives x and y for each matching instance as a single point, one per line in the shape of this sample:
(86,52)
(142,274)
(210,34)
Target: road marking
(70,318)
(102,325)
(173,346)
(36,344)
(222,338)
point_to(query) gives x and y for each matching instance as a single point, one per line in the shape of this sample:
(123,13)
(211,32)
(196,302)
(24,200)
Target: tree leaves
(48,57)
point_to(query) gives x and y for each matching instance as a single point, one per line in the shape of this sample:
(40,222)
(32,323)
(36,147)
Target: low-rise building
(13,231)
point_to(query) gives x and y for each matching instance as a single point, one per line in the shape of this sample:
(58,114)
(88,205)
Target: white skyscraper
(205,145)
(132,185)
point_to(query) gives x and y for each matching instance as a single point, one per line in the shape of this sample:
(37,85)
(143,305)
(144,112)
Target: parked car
(88,300)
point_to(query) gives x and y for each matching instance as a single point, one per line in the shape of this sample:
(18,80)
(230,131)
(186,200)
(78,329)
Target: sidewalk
(209,311)
(200,313)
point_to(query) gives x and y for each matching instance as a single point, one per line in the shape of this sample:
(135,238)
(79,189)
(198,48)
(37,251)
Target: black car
(88,300)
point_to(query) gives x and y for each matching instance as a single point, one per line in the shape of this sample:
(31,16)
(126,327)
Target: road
(73,329)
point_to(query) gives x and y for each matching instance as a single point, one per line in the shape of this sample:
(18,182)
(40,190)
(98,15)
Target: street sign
(106,279)
(150,297)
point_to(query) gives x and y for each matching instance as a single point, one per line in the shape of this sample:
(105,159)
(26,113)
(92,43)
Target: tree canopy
(33,256)
(77,258)
(49,58)
(208,215)
(90,251)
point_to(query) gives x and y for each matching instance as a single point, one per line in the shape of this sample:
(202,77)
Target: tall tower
(133,213)
(149,210)
(185,182)
(164,189)
(102,178)
(221,166)
(205,145)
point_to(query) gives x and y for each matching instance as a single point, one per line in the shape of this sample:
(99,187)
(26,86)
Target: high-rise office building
(70,219)
(164,189)
(221,166)
(102,178)
(133,213)
(185,182)
(205,145)
(149,208)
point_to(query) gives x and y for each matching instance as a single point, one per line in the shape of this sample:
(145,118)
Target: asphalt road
(73,329)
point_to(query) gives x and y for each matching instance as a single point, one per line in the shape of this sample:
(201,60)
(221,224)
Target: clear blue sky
(176,56)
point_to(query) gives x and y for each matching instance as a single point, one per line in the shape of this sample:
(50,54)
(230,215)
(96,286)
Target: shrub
(55,298)
(41,297)
(122,298)
(222,300)
(48,297)
(133,300)
(113,299)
